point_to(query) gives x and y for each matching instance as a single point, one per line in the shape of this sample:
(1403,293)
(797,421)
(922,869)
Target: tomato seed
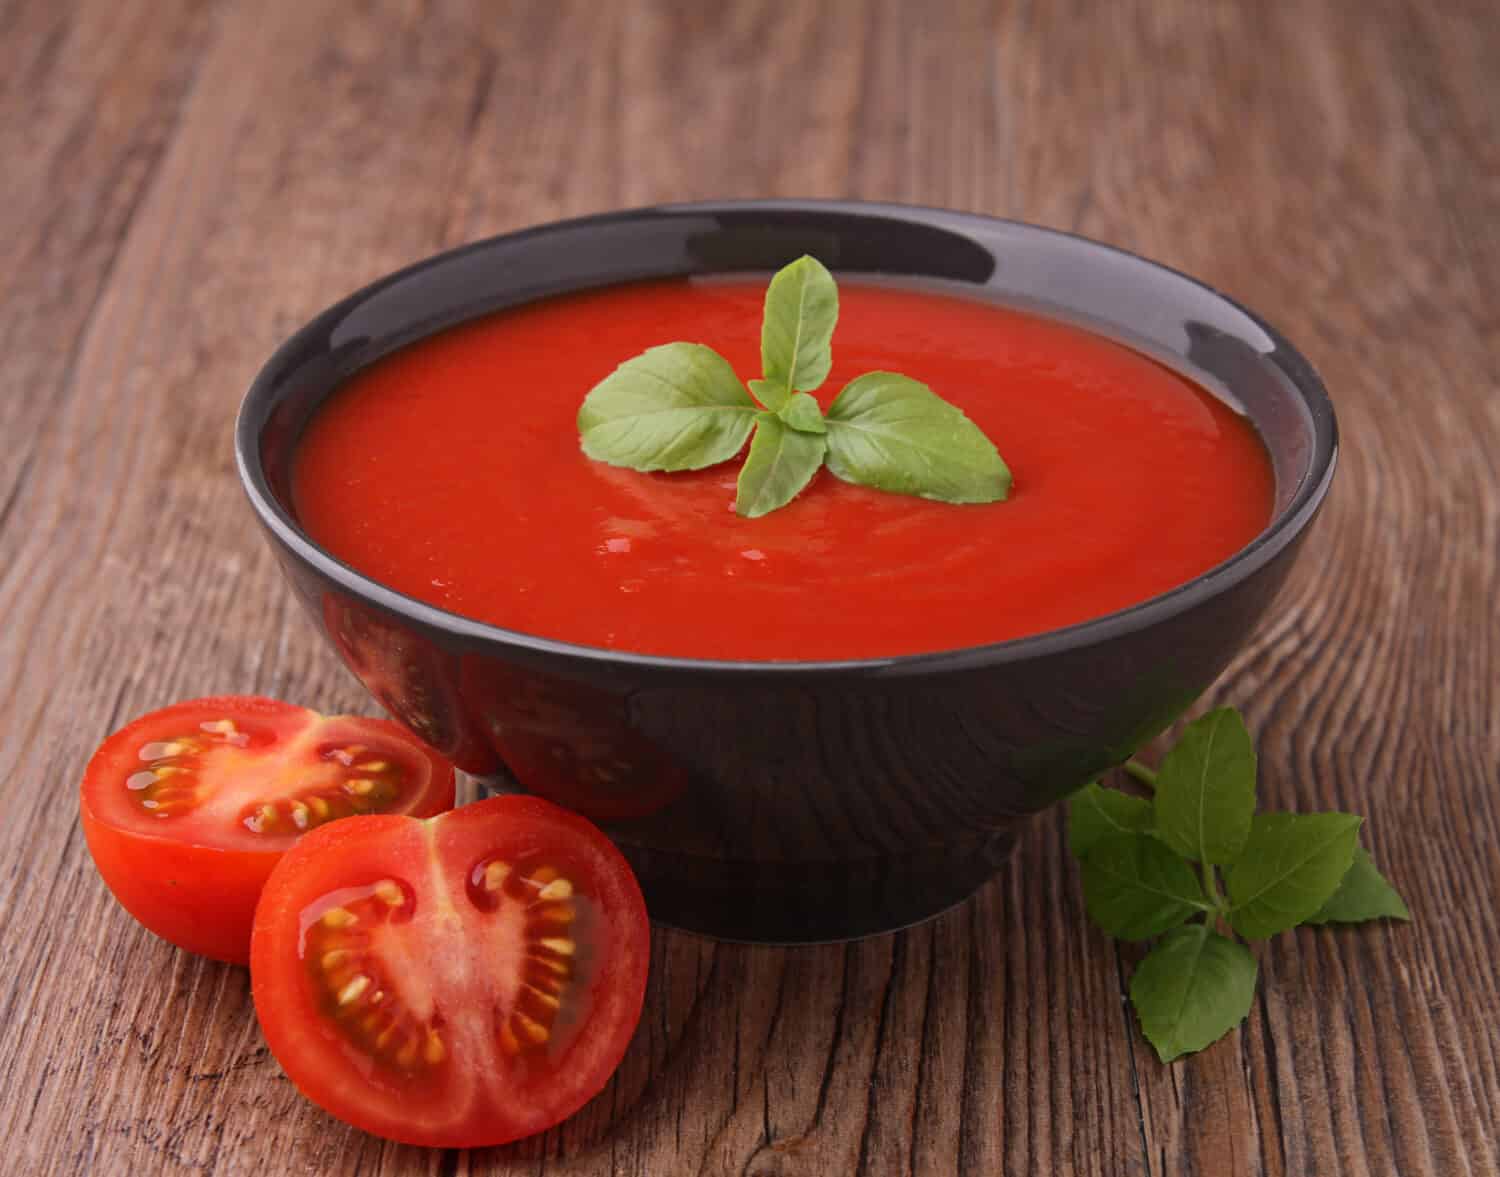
(558,915)
(534,1031)
(495,874)
(353,989)
(557,967)
(389,892)
(557,889)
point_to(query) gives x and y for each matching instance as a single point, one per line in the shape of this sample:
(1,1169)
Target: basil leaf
(894,433)
(770,394)
(780,463)
(802,307)
(1205,789)
(802,413)
(1136,888)
(674,407)
(1363,895)
(1290,867)
(1096,813)
(1192,989)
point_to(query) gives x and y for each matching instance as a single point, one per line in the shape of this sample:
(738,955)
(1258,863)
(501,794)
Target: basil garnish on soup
(681,406)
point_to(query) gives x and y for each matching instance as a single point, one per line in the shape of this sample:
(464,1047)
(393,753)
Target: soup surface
(451,471)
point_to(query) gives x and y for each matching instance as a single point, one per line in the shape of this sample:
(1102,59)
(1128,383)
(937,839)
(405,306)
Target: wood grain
(186,181)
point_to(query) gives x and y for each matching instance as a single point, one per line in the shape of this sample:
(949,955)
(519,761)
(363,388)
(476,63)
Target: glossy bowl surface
(868,794)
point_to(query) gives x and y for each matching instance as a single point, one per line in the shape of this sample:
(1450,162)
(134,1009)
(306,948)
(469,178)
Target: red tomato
(187,809)
(461,981)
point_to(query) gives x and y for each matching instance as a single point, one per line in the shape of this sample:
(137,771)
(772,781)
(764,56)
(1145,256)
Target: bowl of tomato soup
(832,720)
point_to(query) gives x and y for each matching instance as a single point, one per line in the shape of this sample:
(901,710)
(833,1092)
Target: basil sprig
(680,406)
(1280,870)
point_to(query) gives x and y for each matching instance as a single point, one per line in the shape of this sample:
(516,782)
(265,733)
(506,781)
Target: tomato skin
(172,878)
(469,1105)
(160,882)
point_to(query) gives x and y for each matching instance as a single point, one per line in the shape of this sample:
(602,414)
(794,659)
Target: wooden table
(184,182)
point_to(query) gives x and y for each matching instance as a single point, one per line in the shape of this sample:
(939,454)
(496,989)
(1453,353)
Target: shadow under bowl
(901,783)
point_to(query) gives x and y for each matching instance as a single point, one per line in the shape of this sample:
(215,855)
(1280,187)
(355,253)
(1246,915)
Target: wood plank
(195,179)
(90,103)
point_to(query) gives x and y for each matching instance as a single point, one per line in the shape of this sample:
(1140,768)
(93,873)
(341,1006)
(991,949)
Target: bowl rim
(1283,528)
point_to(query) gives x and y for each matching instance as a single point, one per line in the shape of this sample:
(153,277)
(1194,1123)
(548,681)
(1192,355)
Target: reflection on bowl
(864,795)
(411,677)
(570,742)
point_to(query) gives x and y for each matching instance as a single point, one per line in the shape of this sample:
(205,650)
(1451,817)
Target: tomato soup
(451,471)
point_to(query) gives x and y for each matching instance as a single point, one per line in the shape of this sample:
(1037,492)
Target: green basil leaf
(1192,989)
(780,463)
(894,433)
(1136,888)
(1364,894)
(801,412)
(1205,789)
(1096,813)
(1290,867)
(674,407)
(773,396)
(802,307)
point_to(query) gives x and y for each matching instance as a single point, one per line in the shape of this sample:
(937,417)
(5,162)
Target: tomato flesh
(187,809)
(461,981)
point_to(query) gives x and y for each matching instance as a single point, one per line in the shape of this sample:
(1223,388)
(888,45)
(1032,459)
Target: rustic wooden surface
(185,181)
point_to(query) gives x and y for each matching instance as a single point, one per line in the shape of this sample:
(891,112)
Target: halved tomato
(461,981)
(187,809)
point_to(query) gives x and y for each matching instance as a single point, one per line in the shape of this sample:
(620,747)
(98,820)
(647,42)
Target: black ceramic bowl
(902,782)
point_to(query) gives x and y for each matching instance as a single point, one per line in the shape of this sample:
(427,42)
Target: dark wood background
(184,182)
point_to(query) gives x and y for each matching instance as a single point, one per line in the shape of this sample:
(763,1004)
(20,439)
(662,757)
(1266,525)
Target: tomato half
(461,981)
(187,809)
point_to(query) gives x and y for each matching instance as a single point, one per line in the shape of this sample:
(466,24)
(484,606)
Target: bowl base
(824,903)
(801,902)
